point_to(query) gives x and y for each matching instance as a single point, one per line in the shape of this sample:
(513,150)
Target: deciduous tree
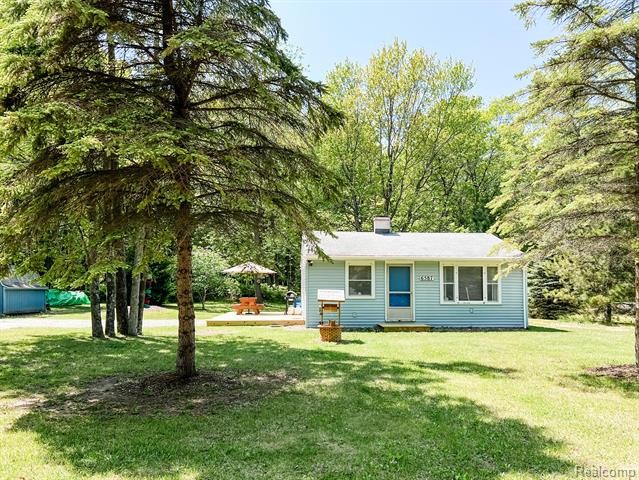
(415,145)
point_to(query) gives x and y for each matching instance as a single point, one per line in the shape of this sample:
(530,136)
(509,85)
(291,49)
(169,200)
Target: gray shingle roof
(416,246)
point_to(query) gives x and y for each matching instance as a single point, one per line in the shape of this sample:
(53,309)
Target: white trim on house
(525,284)
(466,263)
(412,286)
(417,258)
(347,264)
(304,287)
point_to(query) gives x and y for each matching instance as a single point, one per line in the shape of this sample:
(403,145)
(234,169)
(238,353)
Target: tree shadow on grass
(470,367)
(627,387)
(536,328)
(345,416)
(355,341)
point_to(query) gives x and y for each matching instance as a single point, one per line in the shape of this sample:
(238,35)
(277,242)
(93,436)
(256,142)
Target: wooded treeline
(132,132)
(416,145)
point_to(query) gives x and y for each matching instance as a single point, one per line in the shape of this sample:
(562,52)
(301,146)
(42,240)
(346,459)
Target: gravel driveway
(75,324)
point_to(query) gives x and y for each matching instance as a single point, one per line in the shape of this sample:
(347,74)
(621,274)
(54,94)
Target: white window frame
(371,264)
(457,301)
(486,282)
(442,284)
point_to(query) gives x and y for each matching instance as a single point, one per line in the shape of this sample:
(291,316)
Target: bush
(208,279)
(274,293)
(544,299)
(232,289)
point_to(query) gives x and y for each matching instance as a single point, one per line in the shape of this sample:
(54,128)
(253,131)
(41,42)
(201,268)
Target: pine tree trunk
(109,280)
(121,306)
(258,290)
(141,299)
(134,311)
(636,195)
(96,316)
(637,312)
(185,364)
(135,284)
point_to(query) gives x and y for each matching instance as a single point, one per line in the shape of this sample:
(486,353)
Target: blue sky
(485,34)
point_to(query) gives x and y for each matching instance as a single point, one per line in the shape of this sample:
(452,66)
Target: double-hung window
(448,285)
(360,279)
(470,284)
(492,284)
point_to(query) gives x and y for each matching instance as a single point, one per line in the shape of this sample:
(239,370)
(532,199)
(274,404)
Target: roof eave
(416,258)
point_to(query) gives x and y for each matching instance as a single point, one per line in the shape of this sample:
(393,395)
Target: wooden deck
(263,319)
(402,327)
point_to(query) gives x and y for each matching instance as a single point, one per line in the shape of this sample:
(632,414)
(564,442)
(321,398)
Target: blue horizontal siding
(366,313)
(23,300)
(428,309)
(356,312)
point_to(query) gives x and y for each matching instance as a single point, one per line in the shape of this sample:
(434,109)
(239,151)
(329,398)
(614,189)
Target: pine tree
(544,293)
(577,186)
(204,112)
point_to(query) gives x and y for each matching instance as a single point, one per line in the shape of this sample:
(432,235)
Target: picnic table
(248,305)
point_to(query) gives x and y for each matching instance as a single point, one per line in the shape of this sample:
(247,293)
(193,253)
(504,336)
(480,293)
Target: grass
(455,405)
(617,319)
(166,312)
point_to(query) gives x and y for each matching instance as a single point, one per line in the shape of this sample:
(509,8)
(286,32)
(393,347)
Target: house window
(470,284)
(492,284)
(449,284)
(360,278)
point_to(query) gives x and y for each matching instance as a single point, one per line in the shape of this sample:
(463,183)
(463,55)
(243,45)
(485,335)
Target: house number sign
(426,278)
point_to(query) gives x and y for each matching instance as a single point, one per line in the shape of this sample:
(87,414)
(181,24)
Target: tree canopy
(415,145)
(186,112)
(576,188)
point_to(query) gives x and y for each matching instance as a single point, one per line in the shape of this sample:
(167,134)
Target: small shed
(18,295)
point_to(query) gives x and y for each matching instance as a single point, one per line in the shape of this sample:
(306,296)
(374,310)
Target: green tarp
(61,298)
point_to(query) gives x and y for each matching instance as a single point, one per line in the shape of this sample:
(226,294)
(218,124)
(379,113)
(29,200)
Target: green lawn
(166,312)
(277,403)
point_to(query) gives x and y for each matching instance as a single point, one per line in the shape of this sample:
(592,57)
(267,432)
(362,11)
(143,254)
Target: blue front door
(400,285)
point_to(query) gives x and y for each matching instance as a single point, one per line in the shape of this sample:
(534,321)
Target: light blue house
(19,295)
(456,280)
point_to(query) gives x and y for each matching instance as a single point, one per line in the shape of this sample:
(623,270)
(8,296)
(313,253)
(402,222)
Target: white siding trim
(304,286)
(525,284)
(418,258)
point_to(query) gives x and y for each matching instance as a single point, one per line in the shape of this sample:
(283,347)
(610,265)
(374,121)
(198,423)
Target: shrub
(274,293)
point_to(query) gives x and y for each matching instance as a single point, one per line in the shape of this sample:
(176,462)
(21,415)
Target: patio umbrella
(250,268)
